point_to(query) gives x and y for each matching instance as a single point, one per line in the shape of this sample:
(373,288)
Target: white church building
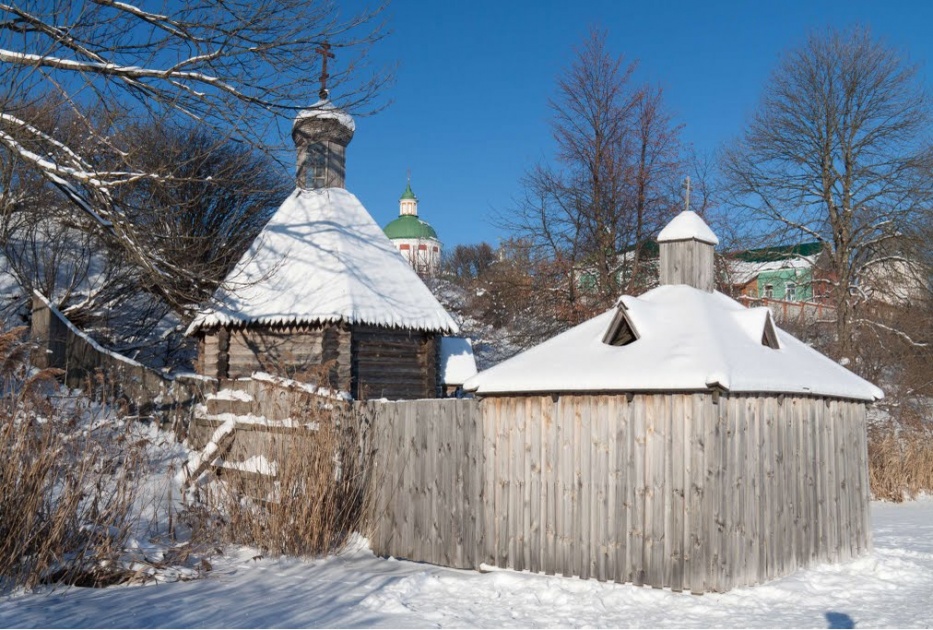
(413,237)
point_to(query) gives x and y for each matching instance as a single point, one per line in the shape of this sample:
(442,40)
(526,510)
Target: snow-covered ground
(893,587)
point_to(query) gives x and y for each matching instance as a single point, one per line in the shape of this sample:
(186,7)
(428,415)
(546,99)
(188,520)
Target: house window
(316,169)
(769,291)
(790,292)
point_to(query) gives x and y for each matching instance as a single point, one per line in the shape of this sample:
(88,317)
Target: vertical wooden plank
(550,484)
(740,513)
(853,484)
(650,447)
(832,495)
(689,446)
(802,465)
(517,485)
(623,433)
(781,528)
(585,488)
(677,458)
(533,486)
(567,485)
(767,510)
(666,490)
(863,468)
(611,533)
(491,410)
(637,521)
(822,517)
(599,476)
(659,561)
(508,512)
(842,479)
(791,473)
(730,494)
(714,491)
(699,518)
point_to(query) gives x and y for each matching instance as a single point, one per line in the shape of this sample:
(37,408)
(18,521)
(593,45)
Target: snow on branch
(899,333)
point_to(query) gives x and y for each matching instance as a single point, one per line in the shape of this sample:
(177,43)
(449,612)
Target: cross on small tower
(324,51)
(687,196)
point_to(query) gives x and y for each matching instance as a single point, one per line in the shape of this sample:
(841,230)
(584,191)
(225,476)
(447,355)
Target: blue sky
(469,114)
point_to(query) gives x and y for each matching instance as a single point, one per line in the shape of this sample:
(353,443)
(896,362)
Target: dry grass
(900,460)
(66,490)
(312,494)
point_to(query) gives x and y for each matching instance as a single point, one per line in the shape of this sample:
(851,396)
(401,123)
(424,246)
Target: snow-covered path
(891,588)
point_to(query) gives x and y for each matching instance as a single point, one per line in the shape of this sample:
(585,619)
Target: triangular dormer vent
(621,332)
(769,335)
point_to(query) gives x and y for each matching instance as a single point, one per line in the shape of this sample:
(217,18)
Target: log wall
(367,361)
(394,364)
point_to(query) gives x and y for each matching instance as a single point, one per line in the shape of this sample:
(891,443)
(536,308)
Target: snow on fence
(693,492)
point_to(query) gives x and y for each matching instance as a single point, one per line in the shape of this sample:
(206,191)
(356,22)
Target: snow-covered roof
(688,225)
(457,361)
(742,272)
(325,109)
(322,258)
(686,340)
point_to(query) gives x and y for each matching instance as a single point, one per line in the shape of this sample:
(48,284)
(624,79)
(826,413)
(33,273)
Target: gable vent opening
(620,332)
(769,335)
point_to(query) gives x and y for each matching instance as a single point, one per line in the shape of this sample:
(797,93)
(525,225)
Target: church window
(422,246)
(316,171)
(405,246)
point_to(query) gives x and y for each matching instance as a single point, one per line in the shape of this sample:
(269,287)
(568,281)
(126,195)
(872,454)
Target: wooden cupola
(686,246)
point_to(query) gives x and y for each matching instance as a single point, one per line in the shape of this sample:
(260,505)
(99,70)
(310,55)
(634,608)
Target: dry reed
(307,493)
(66,490)
(900,460)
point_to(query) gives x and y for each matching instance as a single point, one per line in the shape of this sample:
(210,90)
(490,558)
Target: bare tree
(609,185)
(836,153)
(206,202)
(234,67)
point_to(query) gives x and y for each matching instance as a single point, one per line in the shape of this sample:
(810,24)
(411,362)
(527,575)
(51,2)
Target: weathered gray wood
(687,262)
(667,490)
(623,462)
(550,485)
(639,518)
(678,458)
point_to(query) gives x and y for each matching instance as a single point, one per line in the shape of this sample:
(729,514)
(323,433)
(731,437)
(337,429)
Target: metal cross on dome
(324,51)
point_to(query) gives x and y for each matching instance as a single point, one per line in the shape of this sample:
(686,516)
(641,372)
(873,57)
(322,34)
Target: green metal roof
(782,252)
(408,194)
(410,226)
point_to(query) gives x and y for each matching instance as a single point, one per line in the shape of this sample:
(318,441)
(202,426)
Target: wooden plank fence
(693,492)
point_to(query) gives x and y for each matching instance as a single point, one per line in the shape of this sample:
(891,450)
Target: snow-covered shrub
(66,479)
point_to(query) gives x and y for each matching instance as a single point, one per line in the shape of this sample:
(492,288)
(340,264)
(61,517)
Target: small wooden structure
(322,285)
(679,440)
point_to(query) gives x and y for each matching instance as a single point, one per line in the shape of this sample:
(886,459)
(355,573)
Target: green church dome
(410,226)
